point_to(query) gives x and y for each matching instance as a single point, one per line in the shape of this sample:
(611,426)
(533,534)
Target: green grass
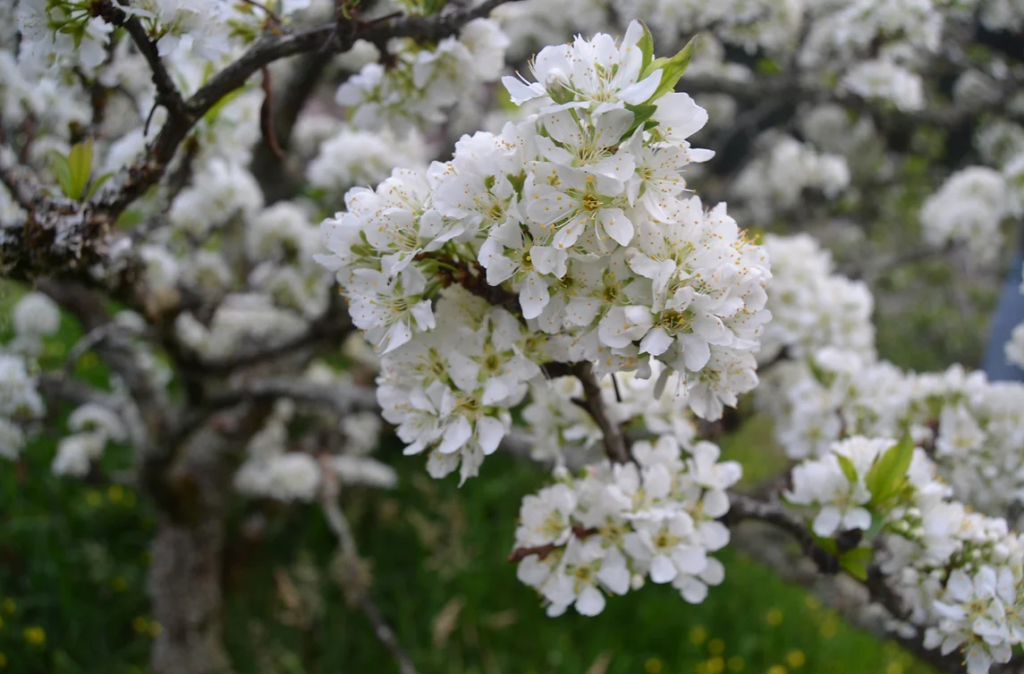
(75,557)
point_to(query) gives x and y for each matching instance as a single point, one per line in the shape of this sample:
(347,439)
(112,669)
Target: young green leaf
(97,183)
(646,45)
(641,113)
(856,561)
(888,474)
(62,171)
(877,522)
(80,167)
(848,469)
(820,375)
(671,69)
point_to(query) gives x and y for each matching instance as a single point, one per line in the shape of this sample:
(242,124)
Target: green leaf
(848,469)
(767,66)
(820,375)
(130,218)
(98,183)
(826,544)
(877,522)
(671,69)
(856,562)
(641,113)
(215,110)
(646,45)
(62,171)
(888,474)
(518,182)
(80,167)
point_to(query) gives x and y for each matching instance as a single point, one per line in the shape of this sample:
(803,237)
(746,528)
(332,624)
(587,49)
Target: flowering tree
(558,270)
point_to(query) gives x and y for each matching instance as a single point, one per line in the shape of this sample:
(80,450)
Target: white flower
(884,79)
(292,476)
(544,518)
(96,419)
(595,74)
(362,470)
(824,483)
(389,309)
(505,256)
(669,547)
(968,207)
(35,316)
(565,201)
(75,453)
(586,568)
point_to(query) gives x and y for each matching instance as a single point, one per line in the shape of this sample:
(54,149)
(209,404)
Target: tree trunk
(185,581)
(185,587)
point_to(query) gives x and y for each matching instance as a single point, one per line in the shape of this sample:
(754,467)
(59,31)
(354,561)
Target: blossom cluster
(449,390)
(813,306)
(886,80)
(283,286)
(352,157)
(424,81)
(972,428)
(92,427)
(957,574)
(775,181)
(277,466)
(33,318)
(969,208)
(834,386)
(574,229)
(769,25)
(616,525)
(66,33)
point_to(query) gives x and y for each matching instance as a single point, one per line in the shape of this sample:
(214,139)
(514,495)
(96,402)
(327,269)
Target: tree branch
(616,444)
(20,180)
(745,508)
(167,93)
(120,355)
(57,238)
(340,399)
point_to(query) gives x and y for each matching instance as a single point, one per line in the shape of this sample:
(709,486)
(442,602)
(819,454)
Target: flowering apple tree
(274,277)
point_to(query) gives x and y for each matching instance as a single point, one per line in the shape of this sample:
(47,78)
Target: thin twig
(167,93)
(267,115)
(350,552)
(542,551)
(616,444)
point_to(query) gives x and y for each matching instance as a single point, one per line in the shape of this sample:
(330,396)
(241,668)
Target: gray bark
(185,586)
(185,582)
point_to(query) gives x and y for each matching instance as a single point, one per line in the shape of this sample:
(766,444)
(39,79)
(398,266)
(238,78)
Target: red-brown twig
(543,551)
